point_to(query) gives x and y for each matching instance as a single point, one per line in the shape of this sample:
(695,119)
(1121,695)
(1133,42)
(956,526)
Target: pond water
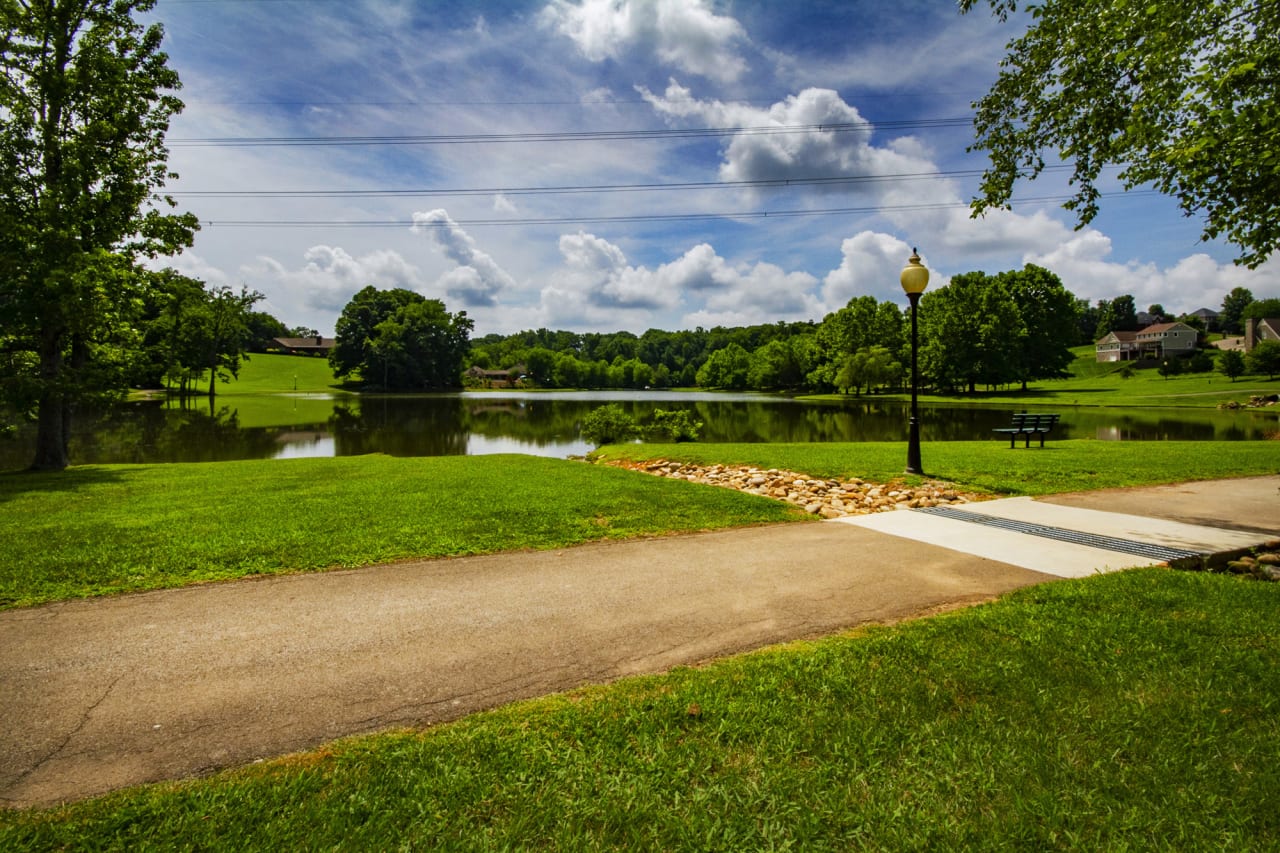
(546,424)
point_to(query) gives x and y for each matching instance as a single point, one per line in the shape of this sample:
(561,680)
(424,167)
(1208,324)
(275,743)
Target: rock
(1270,558)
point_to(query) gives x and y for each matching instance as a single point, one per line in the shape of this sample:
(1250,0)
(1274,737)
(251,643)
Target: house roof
(1161,327)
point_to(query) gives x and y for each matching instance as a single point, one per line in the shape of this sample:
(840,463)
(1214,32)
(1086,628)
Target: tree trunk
(53,418)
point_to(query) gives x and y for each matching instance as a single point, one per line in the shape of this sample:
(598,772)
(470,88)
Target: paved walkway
(97,695)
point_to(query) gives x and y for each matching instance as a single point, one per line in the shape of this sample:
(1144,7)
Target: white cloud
(478,279)
(1196,281)
(599,286)
(870,265)
(686,34)
(812,153)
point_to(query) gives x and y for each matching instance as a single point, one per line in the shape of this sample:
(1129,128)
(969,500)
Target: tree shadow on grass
(16,483)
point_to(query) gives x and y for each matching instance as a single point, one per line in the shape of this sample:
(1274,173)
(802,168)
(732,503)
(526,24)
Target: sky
(606,165)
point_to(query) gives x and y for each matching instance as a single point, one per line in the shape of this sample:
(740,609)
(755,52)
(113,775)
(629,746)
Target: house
(1258,330)
(1159,341)
(303,346)
(495,378)
(1117,346)
(1208,315)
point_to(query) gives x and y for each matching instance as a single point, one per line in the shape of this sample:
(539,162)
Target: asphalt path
(102,694)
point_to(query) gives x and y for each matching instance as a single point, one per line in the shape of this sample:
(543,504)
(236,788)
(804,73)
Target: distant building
(316,345)
(1158,341)
(1209,316)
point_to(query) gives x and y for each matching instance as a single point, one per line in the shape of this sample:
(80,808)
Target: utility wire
(561,136)
(762,183)
(656,217)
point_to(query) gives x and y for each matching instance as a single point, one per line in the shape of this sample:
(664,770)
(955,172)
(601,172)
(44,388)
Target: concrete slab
(1154,531)
(1062,559)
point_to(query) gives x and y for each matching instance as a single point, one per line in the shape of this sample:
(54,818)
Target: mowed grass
(1060,466)
(1132,711)
(104,529)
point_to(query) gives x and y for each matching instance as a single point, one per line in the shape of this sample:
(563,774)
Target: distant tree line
(982,329)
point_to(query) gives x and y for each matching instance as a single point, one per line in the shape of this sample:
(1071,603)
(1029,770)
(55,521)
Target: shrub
(672,426)
(608,425)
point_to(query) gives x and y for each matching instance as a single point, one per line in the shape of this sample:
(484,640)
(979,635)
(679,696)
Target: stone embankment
(824,497)
(1263,564)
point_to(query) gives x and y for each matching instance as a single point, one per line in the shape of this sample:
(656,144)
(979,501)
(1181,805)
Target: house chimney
(319,340)
(1250,332)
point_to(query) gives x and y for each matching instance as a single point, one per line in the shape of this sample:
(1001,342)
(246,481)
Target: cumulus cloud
(812,153)
(1196,281)
(598,285)
(478,279)
(686,34)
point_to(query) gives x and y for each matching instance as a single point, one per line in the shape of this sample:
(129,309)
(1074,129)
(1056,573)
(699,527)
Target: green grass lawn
(1061,466)
(113,528)
(1132,711)
(104,529)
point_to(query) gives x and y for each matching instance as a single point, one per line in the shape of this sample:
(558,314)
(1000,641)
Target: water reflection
(547,424)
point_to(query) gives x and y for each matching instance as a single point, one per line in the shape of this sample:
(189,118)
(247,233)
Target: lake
(546,424)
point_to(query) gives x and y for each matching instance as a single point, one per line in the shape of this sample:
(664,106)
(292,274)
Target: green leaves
(1181,95)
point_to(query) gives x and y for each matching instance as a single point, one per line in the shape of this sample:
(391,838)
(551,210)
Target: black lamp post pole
(913,433)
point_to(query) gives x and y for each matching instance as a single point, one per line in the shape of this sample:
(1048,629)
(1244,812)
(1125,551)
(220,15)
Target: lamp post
(914,278)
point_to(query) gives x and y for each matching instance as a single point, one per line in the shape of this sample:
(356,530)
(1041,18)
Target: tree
(400,340)
(1231,364)
(726,368)
(1157,312)
(1264,358)
(1261,309)
(1182,96)
(85,102)
(420,347)
(1233,307)
(264,328)
(1048,312)
(356,329)
(970,333)
(869,366)
(222,332)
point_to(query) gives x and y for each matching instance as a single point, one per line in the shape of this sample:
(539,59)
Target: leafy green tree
(677,426)
(1264,358)
(970,333)
(420,347)
(869,367)
(357,326)
(726,368)
(1182,96)
(263,328)
(1233,308)
(401,341)
(1048,313)
(85,102)
(1231,364)
(1261,309)
(219,332)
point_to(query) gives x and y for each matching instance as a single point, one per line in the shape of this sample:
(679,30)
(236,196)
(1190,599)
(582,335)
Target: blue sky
(603,71)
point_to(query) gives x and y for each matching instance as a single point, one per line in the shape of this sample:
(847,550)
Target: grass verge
(104,529)
(1138,710)
(1061,466)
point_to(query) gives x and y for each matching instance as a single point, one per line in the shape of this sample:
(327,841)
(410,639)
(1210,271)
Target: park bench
(1028,425)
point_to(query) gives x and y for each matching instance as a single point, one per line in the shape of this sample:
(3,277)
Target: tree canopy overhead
(85,100)
(1182,96)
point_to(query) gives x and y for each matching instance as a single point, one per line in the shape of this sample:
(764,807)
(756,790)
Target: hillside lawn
(1092,384)
(1132,711)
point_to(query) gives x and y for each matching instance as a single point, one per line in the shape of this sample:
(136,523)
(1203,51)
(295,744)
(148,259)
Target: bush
(672,426)
(608,425)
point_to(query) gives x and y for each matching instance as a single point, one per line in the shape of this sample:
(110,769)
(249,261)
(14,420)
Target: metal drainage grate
(1109,543)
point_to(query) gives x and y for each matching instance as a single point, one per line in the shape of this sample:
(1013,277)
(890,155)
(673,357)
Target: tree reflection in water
(547,424)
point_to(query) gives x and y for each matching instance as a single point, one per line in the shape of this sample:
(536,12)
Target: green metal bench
(1027,425)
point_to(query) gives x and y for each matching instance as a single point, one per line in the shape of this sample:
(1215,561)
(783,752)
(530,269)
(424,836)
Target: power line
(562,136)
(656,217)
(763,183)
